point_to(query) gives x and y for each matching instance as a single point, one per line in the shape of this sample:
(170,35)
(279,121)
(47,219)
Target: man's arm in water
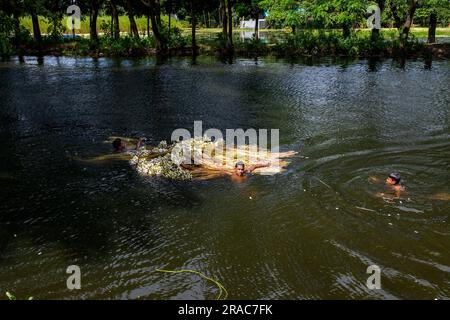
(139,143)
(393,194)
(373,179)
(257,166)
(441,196)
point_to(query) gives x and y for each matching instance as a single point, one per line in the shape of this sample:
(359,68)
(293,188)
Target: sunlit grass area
(416,32)
(141,22)
(124,24)
(423,32)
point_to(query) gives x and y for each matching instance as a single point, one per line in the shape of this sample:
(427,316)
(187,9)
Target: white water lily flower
(201,151)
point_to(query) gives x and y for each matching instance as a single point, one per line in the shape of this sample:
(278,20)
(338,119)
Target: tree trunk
(223,10)
(160,43)
(230,24)
(36,29)
(381,4)
(409,20)
(111,30)
(158,13)
(432,28)
(115,17)
(155,16)
(55,20)
(133,26)
(257,26)
(346,30)
(194,24)
(156,34)
(394,11)
(16,22)
(170,23)
(376,32)
(93,22)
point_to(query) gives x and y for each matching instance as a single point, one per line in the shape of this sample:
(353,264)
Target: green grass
(278,42)
(142,26)
(423,32)
(419,32)
(124,24)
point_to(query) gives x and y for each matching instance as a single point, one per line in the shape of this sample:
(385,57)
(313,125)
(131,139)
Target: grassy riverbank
(278,43)
(141,23)
(302,44)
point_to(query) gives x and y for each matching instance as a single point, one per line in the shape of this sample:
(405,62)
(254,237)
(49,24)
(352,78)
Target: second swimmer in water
(393,184)
(121,146)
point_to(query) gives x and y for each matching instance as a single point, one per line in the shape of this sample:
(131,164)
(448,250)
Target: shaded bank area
(291,46)
(316,29)
(440,50)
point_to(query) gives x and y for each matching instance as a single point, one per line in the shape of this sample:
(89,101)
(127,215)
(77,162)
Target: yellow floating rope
(222,289)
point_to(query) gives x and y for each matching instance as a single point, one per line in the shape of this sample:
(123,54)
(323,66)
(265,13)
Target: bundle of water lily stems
(200,157)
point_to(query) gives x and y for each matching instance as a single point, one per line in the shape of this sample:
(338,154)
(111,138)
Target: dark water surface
(309,232)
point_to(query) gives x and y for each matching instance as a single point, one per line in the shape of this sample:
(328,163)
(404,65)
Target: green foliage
(249,8)
(6,30)
(285,13)
(132,46)
(325,13)
(126,46)
(333,43)
(6,24)
(177,40)
(22,37)
(56,28)
(310,20)
(220,42)
(10,296)
(440,7)
(5,46)
(343,12)
(105,28)
(82,47)
(252,47)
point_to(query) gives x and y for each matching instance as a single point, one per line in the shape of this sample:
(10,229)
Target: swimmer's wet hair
(395,176)
(117,143)
(239,163)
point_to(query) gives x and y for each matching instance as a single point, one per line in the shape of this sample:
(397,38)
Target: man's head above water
(240,168)
(118,145)
(393,178)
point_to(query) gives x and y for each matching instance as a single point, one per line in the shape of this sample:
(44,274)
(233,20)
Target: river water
(309,232)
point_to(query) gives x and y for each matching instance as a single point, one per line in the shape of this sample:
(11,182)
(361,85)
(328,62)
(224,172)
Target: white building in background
(250,24)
